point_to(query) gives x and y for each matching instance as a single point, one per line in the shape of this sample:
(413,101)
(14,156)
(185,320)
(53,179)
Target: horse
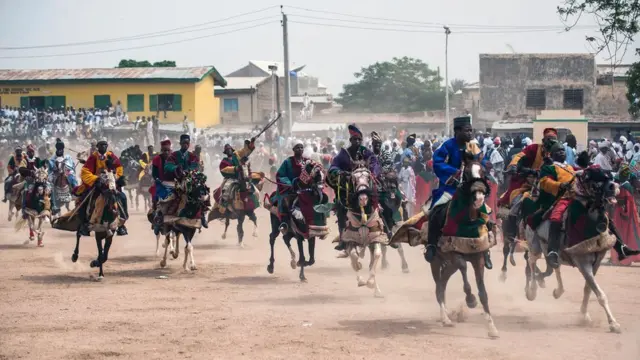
(305,221)
(364,225)
(391,200)
(102,212)
(132,169)
(237,199)
(144,183)
(14,197)
(183,211)
(60,181)
(589,234)
(38,206)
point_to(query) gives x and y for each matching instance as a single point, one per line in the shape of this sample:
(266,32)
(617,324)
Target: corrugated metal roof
(187,74)
(243,83)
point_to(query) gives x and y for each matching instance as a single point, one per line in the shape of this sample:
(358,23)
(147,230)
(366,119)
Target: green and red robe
(459,222)
(579,226)
(625,217)
(287,176)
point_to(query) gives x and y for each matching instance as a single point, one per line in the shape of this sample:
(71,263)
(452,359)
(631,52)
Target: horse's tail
(20,224)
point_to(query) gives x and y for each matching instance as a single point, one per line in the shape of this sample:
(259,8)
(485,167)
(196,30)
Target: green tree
(400,85)
(457,84)
(130,63)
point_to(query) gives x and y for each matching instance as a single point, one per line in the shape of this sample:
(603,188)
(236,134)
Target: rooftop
(243,83)
(264,66)
(142,74)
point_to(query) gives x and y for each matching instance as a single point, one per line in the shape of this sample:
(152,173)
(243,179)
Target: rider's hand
(252,141)
(179,172)
(565,186)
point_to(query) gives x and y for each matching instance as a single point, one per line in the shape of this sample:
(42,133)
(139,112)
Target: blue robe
(342,161)
(447,160)
(69,167)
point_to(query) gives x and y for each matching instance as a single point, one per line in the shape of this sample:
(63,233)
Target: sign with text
(18,91)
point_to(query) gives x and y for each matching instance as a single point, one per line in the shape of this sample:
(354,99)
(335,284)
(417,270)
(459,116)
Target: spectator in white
(149,133)
(570,149)
(603,159)
(185,125)
(407,180)
(118,109)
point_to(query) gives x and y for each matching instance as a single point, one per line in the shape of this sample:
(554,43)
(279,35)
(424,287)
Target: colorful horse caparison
(38,206)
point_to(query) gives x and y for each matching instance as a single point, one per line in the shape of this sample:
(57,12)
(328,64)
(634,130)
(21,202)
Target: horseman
(413,153)
(287,177)
(163,182)
(15,162)
(61,165)
(149,155)
(447,164)
(27,170)
(390,214)
(230,168)
(341,167)
(181,161)
(99,160)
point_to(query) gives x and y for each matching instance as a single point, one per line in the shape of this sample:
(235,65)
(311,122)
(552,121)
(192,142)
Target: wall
(504,79)
(206,104)
(264,98)
(612,100)
(80,95)
(244,114)
(566,119)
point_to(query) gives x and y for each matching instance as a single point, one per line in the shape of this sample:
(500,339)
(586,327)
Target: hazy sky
(332,54)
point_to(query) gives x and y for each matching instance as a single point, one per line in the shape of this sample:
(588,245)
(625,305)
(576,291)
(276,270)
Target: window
(536,99)
(55,102)
(43,102)
(101,101)
(231,105)
(135,103)
(573,99)
(165,102)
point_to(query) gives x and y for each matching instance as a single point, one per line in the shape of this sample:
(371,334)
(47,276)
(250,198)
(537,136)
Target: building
(525,84)
(170,93)
(250,94)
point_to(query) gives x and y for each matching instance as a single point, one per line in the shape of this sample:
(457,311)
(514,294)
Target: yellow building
(170,93)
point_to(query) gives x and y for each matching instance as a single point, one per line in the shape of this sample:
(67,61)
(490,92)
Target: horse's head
(107,180)
(41,175)
(361,180)
(390,181)
(597,186)
(474,183)
(312,175)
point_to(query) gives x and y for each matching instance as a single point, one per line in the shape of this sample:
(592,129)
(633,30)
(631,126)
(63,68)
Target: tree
(400,85)
(633,88)
(457,84)
(617,21)
(130,63)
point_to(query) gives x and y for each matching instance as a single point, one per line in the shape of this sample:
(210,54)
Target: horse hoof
(224,236)
(531,295)
(378,294)
(175,255)
(371,283)
(255,234)
(40,243)
(270,269)
(342,255)
(493,334)
(471,301)
(585,320)
(241,245)
(310,262)
(303,279)
(503,276)
(512,261)
(615,328)
(94,263)
(163,263)
(74,258)
(361,282)
(448,323)
(385,265)
(405,269)
(98,279)
(557,293)
(194,268)
(293,264)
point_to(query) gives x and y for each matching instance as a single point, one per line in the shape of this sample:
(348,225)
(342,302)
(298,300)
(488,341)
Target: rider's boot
(433,234)
(621,249)
(203,220)
(553,247)
(487,260)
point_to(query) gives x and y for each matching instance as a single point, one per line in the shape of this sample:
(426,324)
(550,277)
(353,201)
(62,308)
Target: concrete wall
(245,114)
(504,79)
(612,99)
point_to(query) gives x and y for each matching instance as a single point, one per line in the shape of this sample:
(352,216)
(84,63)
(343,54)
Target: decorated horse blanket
(463,221)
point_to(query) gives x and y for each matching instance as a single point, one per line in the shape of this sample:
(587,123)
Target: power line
(430,31)
(148,35)
(138,47)
(433,24)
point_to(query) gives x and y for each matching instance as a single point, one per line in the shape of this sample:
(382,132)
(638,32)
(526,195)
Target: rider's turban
(550,131)
(375,137)
(354,131)
(461,121)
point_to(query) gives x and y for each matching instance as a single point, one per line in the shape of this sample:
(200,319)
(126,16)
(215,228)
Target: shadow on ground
(383,328)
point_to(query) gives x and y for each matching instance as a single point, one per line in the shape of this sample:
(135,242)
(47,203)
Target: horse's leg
(470,299)
(167,245)
(30,226)
(176,244)
(478,268)
(301,257)
(372,283)
(287,241)
(589,268)
(405,265)
(40,232)
(239,228)
(10,214)
(188,238)
(157,233)
(74,257)
(385,263)
(506,248)
(531,289)
(312,251)
(352,251)
(441,273)
(98,261)
(226,226)
(272,241)
(252,216)
(138,199)
(557,292)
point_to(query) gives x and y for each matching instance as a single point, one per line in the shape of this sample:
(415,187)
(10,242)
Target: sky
(331,53)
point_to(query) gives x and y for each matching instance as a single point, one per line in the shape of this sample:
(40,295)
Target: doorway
(36,102)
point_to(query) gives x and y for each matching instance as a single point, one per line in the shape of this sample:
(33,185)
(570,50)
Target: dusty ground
(231,308)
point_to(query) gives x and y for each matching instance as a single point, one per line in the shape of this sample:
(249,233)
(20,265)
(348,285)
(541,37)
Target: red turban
(550,131)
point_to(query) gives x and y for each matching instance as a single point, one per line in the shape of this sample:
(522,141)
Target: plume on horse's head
(596,185)
(312,173)
(474,183)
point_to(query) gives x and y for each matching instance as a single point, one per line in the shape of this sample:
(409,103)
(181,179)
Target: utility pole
(446,80)
(287,80)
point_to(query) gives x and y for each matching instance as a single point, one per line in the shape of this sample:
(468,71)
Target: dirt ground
(231,308)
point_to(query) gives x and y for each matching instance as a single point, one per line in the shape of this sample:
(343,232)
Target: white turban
(296,142)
